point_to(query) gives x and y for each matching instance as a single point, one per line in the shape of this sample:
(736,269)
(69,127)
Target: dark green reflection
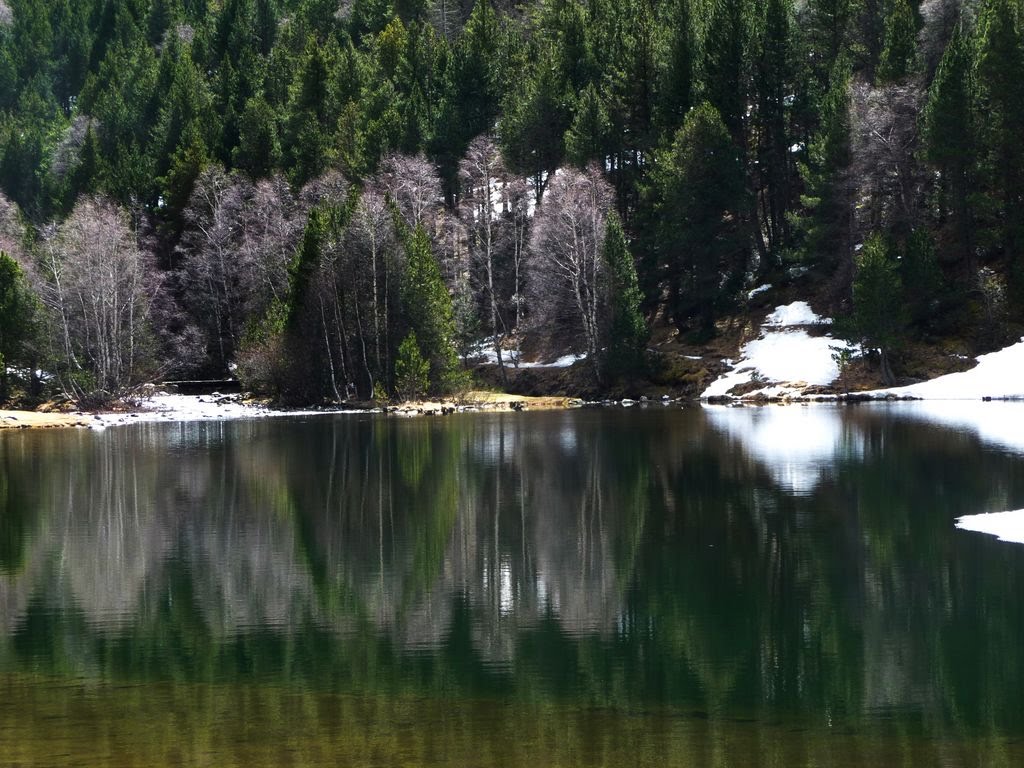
(777,576)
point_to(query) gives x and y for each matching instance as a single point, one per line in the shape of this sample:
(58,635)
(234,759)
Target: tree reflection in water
(797,568)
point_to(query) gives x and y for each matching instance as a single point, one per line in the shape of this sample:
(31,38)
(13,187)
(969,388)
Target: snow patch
(998,375)
(1006,526)
(483,352)
(759,290)
(562,362)
(164,407)
(785,357)
(797,313)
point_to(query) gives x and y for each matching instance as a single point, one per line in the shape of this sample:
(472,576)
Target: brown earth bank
(483,401)
(32,419)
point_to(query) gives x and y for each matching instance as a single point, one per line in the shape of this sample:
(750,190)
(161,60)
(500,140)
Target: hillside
(344,200)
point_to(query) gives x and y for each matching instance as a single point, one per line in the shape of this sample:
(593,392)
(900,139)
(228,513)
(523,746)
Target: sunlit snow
(785,357)
(997,375)
(483,352)
(164,407)
(1006,526)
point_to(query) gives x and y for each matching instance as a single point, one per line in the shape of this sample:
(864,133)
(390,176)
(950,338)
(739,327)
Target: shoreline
(166,408)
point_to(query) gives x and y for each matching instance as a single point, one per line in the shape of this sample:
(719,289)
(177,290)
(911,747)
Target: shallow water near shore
(699,586)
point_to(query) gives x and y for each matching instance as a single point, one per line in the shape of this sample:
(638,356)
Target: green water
(720,587)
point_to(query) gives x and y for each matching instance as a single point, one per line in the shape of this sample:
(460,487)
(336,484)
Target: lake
(775,586)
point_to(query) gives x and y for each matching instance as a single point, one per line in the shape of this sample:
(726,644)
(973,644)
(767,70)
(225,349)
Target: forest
(336,200)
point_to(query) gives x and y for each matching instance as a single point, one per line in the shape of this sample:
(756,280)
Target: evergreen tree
(700,197)
(1000,94)
(774,83)
(428,309)
(679,68)
(535,119)
(824,224)
(412,371)
(307,146)
(590,137)
(726,65)
(949,137)
(900,41)
(258,151)
(920,277)
(17,319)
(627,330)
(879,313)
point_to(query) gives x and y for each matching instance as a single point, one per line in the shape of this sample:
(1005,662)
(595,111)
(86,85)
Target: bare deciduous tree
(94,284)
(12,231)
(68,150)
(413,184)
(885,137)
(567,278)
(374,269)
(238,242)
(482,203)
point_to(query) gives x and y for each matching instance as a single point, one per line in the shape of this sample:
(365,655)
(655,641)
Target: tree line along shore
(362,200)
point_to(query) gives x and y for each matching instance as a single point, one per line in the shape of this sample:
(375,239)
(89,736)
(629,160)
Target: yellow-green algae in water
(52,722)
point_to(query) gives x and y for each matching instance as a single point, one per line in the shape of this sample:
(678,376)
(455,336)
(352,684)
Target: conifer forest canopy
(328,198)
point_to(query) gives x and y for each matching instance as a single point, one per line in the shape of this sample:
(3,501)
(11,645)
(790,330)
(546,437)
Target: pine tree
(590,137)
(726,66)
(824,225)
(774,83)
(258,151)
(949,137)
(879,313)
(627,330)
(412,371)
(700,197)
(900,37)
(17,319)
(1000,98)
(428,310)
(679,69)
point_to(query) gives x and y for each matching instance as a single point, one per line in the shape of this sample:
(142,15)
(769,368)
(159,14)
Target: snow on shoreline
(786,360)
(164,407)
(1005,526)
(785,356)
(998,375)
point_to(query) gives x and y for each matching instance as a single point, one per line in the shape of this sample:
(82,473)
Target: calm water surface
(701,587)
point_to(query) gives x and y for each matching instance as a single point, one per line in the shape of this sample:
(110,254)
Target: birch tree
(483,181)
(567,279)
(235,252)
(94,278)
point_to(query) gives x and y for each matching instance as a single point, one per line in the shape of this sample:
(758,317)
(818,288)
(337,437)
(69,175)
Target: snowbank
(483,352)
(785,357)
(1006,526)
(998,375)
(165,407)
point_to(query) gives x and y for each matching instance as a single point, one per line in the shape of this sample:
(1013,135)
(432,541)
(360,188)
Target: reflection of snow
(997,423)
(785,357)
(1006,526)
(797,445)
(999,374)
